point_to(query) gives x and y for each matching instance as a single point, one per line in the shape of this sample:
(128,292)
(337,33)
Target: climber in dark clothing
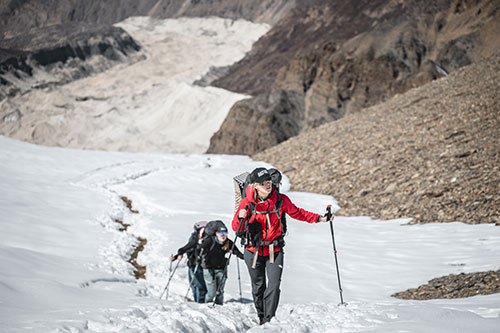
(212,251)
(195,271)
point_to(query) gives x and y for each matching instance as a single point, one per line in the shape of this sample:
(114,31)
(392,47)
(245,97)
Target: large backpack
(212,227)
(241,182)
(209,231)
(198,229)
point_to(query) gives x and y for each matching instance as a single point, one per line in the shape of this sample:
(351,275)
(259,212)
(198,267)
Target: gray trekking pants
(265,297)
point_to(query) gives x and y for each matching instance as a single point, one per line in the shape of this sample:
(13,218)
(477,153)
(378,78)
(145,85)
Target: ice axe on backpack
(329,218)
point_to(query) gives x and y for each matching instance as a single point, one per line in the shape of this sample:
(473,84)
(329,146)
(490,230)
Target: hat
(222,229)
(259,175)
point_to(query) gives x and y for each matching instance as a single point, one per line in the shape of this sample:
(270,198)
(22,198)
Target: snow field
(66,270)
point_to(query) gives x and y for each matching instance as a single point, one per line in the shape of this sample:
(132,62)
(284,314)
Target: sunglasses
(267,182)
(222,234)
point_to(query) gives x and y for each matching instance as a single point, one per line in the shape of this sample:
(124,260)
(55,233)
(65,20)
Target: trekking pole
(237,262)
(190,287)
(170,268)
(328,217)
(239,279)
(170,279)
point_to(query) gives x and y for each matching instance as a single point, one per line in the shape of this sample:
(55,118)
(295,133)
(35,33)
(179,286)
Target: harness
(255,240)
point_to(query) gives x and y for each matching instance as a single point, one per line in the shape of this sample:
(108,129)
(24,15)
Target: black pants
(265,297)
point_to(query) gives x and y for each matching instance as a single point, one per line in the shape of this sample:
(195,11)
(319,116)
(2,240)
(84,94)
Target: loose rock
(431,154)
(455,286)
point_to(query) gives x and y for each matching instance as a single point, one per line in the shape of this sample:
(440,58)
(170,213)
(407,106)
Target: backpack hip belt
(274,242)
(271,244)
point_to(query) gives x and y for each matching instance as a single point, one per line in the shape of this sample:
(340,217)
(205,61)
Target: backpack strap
(213,243)
(278,241)
(243,231)
(277,210)
(251,211)
(282,217)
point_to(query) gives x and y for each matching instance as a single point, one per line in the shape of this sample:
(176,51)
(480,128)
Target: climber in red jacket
(258,221)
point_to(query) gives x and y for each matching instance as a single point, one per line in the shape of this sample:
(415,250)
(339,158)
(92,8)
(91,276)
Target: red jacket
(270,223)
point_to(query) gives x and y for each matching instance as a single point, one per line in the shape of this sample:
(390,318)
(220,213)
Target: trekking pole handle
(328,212)
(241,219)
(246,215)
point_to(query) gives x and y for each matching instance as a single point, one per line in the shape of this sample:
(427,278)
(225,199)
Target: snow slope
(64,261)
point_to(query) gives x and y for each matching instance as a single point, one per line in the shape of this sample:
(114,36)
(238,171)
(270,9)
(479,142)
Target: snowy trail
(68,270)
(113,180)
(173,315)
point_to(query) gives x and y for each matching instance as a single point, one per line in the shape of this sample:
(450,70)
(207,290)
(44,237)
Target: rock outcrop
(431,153)
(274,117)
(455,286)
(341,59)
(59,54)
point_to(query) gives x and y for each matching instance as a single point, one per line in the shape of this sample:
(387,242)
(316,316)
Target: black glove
(239,255)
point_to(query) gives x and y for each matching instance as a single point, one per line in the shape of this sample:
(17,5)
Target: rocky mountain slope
(455,286)
(321,60)
(20,16)
(330,59)
(59,54)
(65,34)
(431,153)
(306,28)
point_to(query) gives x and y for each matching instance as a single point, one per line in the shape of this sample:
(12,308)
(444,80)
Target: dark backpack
(212,227)
(195,236)
(209,231)
(241,182)
(198,230)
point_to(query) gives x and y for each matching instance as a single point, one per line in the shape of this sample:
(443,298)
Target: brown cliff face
(343,76)
(308,26)
(274,117)
(383,62)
